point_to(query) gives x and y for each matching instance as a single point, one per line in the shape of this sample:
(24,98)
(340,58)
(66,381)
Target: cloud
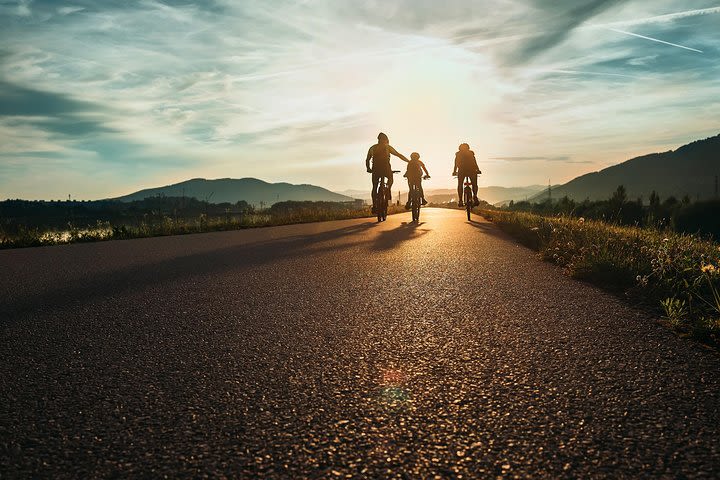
(50,111)
(23,8)
(642,61)
(556,158)
(560,158)
(69,10)
(23,101)
(558,22)
(666,18)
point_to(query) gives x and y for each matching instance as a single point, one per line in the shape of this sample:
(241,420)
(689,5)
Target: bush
(701,217)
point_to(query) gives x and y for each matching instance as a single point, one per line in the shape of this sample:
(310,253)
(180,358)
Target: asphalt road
(340,349)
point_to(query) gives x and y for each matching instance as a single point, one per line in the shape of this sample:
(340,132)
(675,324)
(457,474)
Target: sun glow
(435,103)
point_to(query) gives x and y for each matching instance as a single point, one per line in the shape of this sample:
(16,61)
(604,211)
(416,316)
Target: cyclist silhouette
(466,166)
(380,154)
(414,175)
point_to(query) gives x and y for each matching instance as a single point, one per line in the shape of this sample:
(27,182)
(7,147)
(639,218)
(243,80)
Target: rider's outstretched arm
(399,155)
(367,159)
(424,168)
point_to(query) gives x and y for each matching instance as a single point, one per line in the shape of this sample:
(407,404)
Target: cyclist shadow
(390,239)
(203,260)
(488,228)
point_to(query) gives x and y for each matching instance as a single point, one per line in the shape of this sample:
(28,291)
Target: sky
(99,99)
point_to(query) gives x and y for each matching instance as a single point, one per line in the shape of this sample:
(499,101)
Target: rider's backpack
(466,160)
(381,153)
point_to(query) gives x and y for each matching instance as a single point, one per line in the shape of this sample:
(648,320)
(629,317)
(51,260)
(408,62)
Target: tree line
(16,214)
(681,215)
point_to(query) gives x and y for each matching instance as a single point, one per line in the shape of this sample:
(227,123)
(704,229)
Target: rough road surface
(340,349)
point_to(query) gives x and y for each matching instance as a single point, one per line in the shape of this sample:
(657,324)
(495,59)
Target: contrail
(655,40)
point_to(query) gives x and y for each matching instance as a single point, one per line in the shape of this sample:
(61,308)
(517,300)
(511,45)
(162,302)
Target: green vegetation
(676,274)
(679,215)
(32,224)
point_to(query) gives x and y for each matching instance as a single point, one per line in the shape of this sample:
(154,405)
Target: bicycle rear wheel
(415,204)
(380,203)
(468,201)
(382,211)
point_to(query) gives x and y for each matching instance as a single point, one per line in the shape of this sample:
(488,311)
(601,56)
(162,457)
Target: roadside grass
(167,225)
(675,275)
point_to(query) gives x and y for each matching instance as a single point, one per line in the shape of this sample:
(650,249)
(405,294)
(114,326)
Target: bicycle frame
(381,198)
(415,202)
(468,196)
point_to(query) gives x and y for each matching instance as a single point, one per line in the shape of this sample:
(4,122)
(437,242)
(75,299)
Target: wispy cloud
(557,158)
(561,158)
(666,18)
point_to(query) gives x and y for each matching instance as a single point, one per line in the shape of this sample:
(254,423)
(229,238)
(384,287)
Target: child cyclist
(414,175)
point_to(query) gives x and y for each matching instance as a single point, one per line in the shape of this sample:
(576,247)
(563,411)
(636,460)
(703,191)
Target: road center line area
(339,349)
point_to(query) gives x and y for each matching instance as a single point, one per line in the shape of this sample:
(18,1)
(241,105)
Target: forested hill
(690,170)
(233,190)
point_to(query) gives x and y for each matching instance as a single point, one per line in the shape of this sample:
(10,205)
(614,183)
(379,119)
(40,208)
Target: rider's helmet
(464,147)
(383,138)
(415,156)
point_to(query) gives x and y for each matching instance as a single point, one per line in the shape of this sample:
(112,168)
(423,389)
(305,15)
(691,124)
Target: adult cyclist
(380,155)
(466,166)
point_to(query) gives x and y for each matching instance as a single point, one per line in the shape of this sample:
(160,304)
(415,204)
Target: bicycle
(468,199)
(381,198)
(416,201)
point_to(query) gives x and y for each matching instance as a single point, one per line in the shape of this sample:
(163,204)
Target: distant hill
(493,195)
(233,190)
(361,194)
(489,194)
(689,170)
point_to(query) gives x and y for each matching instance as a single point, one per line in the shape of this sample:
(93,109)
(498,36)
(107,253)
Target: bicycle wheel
(468,201)
(414,205)
(381,203)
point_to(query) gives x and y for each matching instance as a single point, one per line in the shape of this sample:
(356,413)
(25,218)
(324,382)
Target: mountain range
(233,190)
(690,170)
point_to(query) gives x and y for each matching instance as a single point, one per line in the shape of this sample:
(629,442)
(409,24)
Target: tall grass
(676,274)
(167,225)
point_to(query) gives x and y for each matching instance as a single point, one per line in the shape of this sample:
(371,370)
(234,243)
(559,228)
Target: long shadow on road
(490,229)
(389,239)
(138,277)
(239,256)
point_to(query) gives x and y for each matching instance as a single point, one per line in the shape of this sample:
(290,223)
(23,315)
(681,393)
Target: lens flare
(393,391)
